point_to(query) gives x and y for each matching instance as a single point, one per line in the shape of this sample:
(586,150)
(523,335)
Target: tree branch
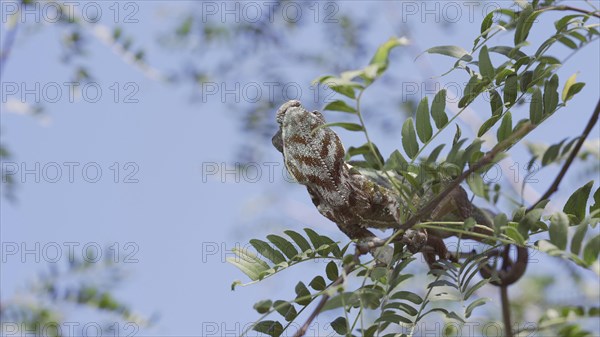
(588,128)
(504,295)
(574,9)
(486,159)
(506,311)
(347,270)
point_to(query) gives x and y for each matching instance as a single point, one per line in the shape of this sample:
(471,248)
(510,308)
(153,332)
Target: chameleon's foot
(414,240)
(382,253)
(369,244)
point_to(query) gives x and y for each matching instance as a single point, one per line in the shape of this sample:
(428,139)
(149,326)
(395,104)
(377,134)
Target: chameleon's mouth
(284,107)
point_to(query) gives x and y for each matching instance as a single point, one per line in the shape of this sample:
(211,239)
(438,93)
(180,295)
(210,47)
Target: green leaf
(409,139)
(510,90)
(340,325)
(536,107)
(271,328)
(424,130)
(438,109)
(408,296)
(496,103)
(339,105)
(286,309)
(485,64)
(505,128)
(351,74)
(344,299)
(318,283)
(514,234)
(487,23)
(596,205)
(500,221)
(526,80)
(551,153)
(573,90)
(374,161)
(299,240)
(455,157)
(509,52)
(531,221)
(396,162)
(567,147)
(347,126)
(452,51)
(378,273)
(541,72)
(435,153)
(578,238)
(478,302)
(474,288)
(549,60)
(472,90)
(564,21)
(457,135)
(382,54)
(476,185)
(248,262)
(340,85)
(332,271)
(501,75)
(551,95)
(488,125)
(591,250)
(559,225)
(370,297)
(402,306)
(524,24)
(302,294)
(314,237)
(570,81)
(265,249)
(567,42)
(284,245)
(263,306)
(578,200)
(391,317)
(578,36)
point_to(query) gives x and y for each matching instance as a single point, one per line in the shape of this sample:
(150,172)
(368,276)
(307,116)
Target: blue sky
(166,213)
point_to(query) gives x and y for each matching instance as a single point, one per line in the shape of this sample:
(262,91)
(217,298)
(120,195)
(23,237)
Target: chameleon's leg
(356,231)
(414,240)
(457,202)
(436,246)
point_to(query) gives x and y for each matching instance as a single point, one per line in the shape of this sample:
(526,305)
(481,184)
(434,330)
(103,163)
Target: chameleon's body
(314,156)
(316,159)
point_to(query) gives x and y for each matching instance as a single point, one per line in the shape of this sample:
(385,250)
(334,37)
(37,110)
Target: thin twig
(574,9)
(506,311)
(347,270)
(9,40)
(588,128)
(312,316)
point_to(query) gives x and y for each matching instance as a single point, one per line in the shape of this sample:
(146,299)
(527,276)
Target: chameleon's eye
(318,115)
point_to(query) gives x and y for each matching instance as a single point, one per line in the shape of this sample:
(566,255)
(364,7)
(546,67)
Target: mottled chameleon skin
(315,158)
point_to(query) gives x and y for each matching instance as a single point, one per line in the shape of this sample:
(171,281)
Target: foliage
(86,285)
(519,80)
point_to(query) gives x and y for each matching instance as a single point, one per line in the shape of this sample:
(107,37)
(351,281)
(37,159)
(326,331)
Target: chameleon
(315,157)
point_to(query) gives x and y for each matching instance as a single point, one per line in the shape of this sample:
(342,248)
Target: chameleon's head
(293,114)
